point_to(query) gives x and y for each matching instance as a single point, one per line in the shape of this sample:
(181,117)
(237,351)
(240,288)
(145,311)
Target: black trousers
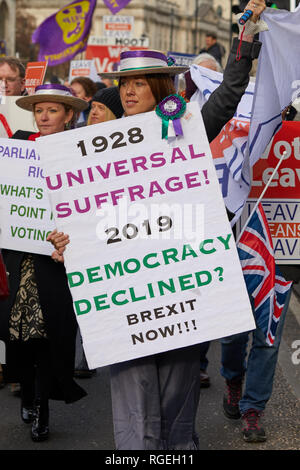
(35,378)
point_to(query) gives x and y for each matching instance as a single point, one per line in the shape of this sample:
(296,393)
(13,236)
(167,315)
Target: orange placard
(80,72)
(35,73)
(118,27)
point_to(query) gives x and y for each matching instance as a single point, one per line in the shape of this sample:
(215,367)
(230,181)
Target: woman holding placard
(155,398)
(37,321)
(105,106)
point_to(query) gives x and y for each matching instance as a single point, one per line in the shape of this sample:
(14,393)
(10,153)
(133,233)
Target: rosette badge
(171,108)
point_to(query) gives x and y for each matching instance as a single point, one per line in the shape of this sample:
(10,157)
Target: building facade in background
(7,26)
(178,25)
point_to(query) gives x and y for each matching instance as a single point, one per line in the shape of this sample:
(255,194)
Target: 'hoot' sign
(65,34)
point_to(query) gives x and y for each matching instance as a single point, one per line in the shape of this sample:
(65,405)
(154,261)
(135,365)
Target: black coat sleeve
(22,135)
(222,104)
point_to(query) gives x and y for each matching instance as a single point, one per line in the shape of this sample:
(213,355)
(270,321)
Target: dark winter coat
(59,316)
(223,102)
(216,50)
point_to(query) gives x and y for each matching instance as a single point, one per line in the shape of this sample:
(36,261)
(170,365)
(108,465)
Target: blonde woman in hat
(37,321)
(155,398)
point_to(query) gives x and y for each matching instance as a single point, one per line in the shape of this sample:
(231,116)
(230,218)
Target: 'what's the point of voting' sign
(25,213)
(152,263)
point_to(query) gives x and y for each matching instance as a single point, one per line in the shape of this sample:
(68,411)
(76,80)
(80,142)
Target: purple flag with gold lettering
(65,34)
(116,5)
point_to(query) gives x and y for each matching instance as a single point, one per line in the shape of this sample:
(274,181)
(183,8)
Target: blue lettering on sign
(267,212)
(291,252)
(278,248)
(279,212)
(292,216)
(223,180)
(283,212)
(286,247)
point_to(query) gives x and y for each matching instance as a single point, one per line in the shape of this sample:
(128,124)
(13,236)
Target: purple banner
(116,5)
(65,34)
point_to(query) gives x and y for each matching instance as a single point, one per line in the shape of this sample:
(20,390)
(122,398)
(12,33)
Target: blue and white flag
(236,149)
(277,79)
(230,146)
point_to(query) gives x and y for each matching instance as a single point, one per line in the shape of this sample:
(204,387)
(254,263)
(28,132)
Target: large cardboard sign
(118,26)
(83,68)
(152,263)
(281,202)
(25,214)
(115,41)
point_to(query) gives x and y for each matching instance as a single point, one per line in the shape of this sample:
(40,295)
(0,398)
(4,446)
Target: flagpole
(262,195)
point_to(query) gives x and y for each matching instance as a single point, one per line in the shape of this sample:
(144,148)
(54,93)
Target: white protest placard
(115,41)
(25,214)
(83,68)
(152,263)
(118,26)
(13,118)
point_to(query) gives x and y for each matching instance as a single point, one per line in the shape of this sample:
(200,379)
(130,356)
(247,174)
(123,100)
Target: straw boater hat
(54,93)
(144,62)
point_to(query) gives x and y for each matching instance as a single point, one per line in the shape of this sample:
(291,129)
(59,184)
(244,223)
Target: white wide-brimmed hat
(143,62)
(53,93)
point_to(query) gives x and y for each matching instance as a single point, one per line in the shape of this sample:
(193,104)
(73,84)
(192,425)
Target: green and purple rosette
(171,108)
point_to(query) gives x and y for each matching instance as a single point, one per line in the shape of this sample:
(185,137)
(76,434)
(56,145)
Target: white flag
(277,85)
(229,148)
(277,79)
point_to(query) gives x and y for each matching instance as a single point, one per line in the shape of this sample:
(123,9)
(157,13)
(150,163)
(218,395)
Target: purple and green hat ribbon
(171,108)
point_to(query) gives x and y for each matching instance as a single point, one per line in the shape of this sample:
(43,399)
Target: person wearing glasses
(12,77)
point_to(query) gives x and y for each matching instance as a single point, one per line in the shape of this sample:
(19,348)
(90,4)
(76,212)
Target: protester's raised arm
(254,25)
(223,102)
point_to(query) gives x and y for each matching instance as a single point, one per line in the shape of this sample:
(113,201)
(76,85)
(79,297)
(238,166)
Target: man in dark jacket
(213,47)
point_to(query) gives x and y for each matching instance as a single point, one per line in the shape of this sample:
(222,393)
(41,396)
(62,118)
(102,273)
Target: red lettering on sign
(286,182)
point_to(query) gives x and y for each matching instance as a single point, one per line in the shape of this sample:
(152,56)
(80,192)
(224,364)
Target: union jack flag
(263,278)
